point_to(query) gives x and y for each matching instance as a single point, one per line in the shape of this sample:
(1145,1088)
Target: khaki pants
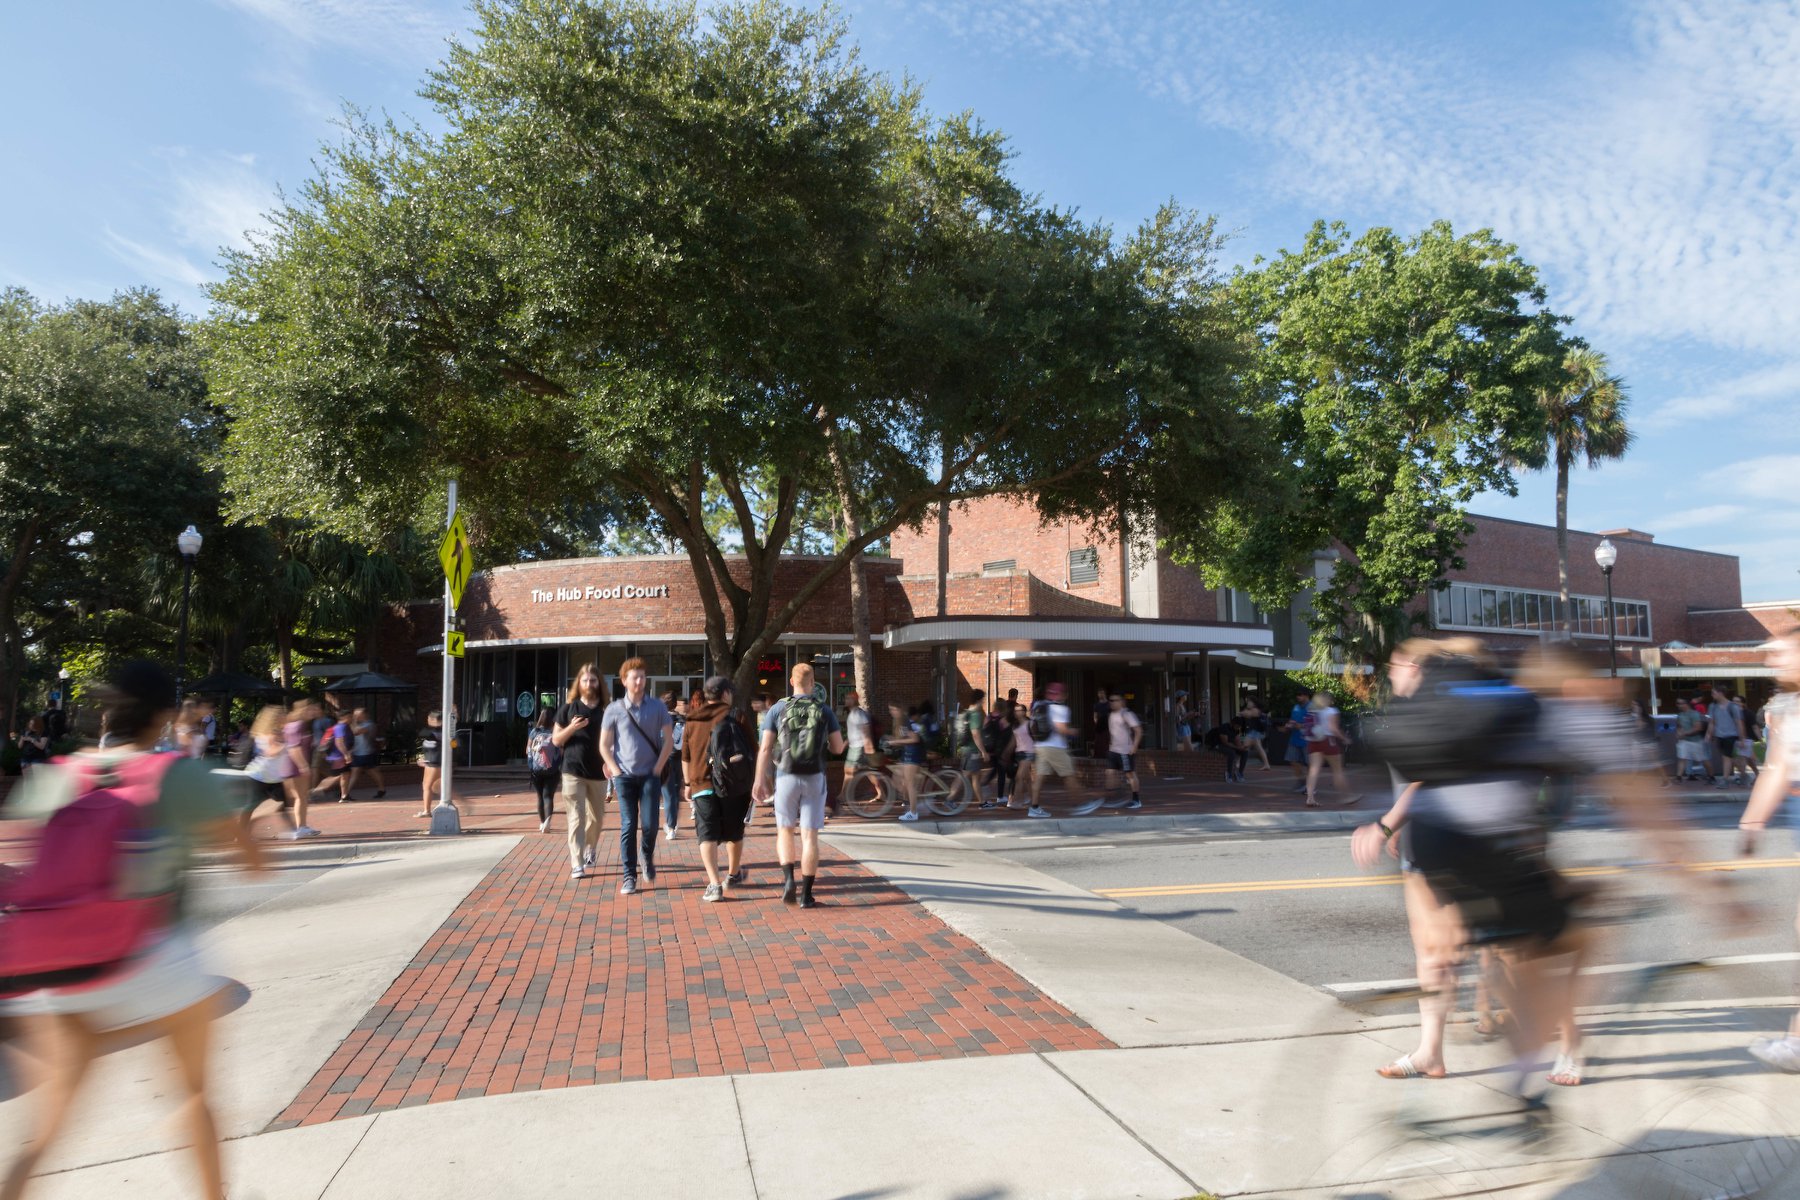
(586,801)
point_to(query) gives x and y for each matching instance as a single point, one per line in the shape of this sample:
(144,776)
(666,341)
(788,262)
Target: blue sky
(1642,154)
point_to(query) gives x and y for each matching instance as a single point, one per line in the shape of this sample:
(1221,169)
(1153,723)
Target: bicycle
(873,792)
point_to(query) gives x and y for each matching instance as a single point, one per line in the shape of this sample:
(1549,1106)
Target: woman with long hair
(543,759)
(431,761)
(298,738)
(270,766)
(163,988)
(1325,744)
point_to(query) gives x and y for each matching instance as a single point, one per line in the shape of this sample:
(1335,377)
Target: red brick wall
(997,528)
(1184,596)
(1671,578)
(1757,624)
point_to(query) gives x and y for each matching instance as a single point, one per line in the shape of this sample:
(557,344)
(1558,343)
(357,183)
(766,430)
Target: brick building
(1028,603)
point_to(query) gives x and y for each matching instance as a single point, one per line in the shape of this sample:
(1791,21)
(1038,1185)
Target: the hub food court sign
(619,591)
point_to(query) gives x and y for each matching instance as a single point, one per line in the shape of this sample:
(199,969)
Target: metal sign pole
(445,819)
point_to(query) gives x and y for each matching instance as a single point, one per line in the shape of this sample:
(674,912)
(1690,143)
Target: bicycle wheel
(943,792)
(871,795)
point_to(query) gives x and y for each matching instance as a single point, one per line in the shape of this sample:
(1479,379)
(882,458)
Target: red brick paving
(538,981)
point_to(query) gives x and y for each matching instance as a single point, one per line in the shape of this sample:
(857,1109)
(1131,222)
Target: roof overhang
(1094,635)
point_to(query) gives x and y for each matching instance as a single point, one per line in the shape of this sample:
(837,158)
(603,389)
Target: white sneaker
(909,816)
(1035,811)
(544,825)
(1781,1053)
(304,831)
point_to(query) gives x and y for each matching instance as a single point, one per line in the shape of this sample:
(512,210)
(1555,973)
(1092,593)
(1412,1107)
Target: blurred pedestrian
(1325,745)
(543,759)
(1124,734)
(1776,784)
(1184,722)
(365,754)
(1053,729)
(270,767)
(972,755)
(1298,728)
(1024,756)
(1690,742)
(34,744)
(296,732)
(673,790)
(859,745)
(163,989)
(1255,729)
(997,737)
(908,749)
(1227,738)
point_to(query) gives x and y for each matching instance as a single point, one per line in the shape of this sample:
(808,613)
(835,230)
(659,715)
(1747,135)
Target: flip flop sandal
(1402,1068)
(1567,1071)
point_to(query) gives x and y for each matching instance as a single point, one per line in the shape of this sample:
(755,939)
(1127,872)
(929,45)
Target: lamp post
(188,542)
(1606,554)
(62,690)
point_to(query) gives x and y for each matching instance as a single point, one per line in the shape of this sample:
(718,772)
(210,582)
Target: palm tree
(1584,417)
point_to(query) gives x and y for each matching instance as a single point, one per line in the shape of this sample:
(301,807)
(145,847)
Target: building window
(1084,566)
(1004,564)
(1517,610)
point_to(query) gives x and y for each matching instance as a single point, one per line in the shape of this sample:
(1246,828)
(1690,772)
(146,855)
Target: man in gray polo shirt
(636,741)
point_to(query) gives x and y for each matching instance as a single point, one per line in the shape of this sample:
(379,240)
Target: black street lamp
(188,542)
(1606,554)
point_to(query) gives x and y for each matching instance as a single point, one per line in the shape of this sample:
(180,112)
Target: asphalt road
(1298,904)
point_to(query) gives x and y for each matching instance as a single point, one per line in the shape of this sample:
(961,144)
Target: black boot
(787,883)
(806,896)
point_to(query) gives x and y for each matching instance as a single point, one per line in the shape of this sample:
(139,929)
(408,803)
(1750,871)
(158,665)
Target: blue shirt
(1301,718)
(635,752)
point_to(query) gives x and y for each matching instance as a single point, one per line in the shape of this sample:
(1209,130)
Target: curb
(311,851)
(1300,822)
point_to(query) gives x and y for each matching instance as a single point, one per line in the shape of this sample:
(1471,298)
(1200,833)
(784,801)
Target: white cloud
(1780,382)
(392,29)
(1654,180)
(1774,477)
(1690,518)
(163,265)
(215,200)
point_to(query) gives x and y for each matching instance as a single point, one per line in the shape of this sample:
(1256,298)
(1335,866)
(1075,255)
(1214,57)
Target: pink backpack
(66,918)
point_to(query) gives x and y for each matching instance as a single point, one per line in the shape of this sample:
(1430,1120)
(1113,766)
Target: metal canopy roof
(1105,635)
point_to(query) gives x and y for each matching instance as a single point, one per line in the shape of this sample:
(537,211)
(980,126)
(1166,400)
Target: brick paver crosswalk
(538,981)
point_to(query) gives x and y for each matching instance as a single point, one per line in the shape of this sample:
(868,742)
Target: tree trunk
(1562,537)
(946,697)
(284,642)
(862,654)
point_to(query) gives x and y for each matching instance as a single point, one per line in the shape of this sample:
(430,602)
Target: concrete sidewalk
(1226,1078)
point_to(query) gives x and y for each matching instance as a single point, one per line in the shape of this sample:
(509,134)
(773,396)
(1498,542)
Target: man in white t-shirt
(1052,727)
(1124,734)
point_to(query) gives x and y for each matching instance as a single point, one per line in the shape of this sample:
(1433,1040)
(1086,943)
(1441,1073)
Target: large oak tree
(657,261)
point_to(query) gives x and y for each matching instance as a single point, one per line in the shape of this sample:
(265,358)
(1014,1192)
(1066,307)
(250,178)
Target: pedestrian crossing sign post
(453,644)
(453,553)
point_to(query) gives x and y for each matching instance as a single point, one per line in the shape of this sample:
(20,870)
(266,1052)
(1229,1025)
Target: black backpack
(730,759)
(1040,721)
(1465,722)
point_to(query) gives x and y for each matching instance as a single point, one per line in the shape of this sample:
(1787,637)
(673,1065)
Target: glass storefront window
(687,659)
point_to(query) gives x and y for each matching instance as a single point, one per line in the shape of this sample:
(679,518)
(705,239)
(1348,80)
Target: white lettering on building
(622,591)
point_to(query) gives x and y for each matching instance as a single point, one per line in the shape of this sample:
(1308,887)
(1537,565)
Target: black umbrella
(234,683)
(371,681)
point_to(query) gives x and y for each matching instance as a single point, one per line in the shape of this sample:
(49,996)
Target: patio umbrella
(371,681)
(234,683)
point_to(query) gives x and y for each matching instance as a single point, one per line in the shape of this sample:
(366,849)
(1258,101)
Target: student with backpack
(790,766)
(543,758)
(718,758)
(636,739)
(971,745)
(89,949)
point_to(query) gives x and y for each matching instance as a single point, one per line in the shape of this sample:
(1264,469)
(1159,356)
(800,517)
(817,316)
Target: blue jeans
(637,796)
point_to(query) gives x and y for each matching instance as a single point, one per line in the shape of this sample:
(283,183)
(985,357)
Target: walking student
(1690,742)
(1299,732)
(334,754)
(718,756)
(997,736)
(431,760)
(672,788)
(1052,728)
(543,758)
(1326,746)
(790,765)
(270,767)
(1256,728)
(859,743)
(297,734)
(1124,733)
(971,746)
(637,735)
(909,757)
(1024,756)
(164,989)
(365,754)
(577,732)
(1728,728)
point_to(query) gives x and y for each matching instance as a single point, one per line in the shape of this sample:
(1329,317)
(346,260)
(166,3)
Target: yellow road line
(1365,881)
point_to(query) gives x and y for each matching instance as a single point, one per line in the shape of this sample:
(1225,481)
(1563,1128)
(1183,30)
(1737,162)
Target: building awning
(1096,635)
(1717,671)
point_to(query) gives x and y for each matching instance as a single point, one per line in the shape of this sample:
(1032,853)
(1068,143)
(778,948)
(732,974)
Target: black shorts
(1505,890)
(260,791)
(720,818)
(1727,747)
(1123,762)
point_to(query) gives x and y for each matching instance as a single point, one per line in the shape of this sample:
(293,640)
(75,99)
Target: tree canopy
(662,264)
(1397,378)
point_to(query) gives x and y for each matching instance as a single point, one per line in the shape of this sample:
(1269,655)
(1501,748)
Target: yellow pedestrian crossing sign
(453,552)
(453,644)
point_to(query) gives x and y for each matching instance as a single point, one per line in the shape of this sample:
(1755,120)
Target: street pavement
(1123,1055)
